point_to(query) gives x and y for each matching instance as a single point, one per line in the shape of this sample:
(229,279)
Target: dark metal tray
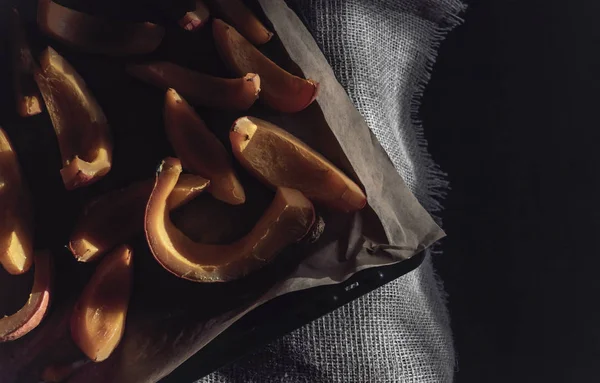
(282,316)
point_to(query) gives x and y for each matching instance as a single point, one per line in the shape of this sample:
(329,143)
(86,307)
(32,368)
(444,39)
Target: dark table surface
(511,114)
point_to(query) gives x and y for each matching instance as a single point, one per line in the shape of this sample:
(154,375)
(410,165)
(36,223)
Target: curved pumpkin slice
(95,34)
(195,19)
(242,18)
(286,221)
(16,213)
(27,95)
(29,317)
(280,89)
(279,159)
(117,216)
(199,88)
(98,319)
(200,151)
(79,122)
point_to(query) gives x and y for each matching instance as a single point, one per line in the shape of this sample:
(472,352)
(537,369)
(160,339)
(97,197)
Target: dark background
(511,113)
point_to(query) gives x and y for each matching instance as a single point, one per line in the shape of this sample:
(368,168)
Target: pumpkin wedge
(81,127)
(96,34)
(287,220)
(27,95)
(198,88)
(236,13)
(279,159)
(117,216)
(98,318)
(195,19)
(200,151)
(31,314)
(16,212)
(281,90)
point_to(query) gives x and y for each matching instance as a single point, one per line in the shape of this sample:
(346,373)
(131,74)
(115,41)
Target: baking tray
(283,315)
(36,143)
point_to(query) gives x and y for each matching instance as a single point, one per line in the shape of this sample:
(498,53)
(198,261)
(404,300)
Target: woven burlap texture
(382,52)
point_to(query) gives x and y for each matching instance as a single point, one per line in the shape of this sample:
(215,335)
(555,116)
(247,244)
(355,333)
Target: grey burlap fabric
(381,52)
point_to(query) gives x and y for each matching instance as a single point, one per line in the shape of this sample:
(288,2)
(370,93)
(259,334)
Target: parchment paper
(169,319)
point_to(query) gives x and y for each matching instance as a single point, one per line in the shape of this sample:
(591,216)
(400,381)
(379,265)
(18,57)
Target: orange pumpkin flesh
(200,151)
(31,314)
(280,89)
(98,319)
(16,213)
(198,88)
(95,34)
(117,216)
(79,122)
(27,95)
(279,159)
(286,221)
(242,18)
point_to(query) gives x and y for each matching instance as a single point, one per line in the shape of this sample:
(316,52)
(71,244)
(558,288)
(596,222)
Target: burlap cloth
(382,52)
